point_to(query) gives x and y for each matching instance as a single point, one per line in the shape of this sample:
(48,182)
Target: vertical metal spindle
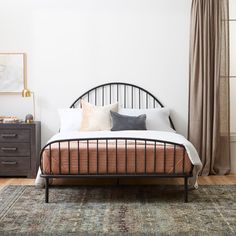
(107,156)
(132,97)
(183,160)
(145,156)
(139,98)
(117,93)
(50,158)
(135,152)
(174,158)
(78,157)
(95,99)
(110,93)
(69,156)
(186,189)
(97,157)
(155,156)
(124,96)
(165,158)
(59,163)
(46,189)
(116,157)
(126,156)
(103,95)
(88,156)
(154,104)
(146,100)
(88,97)
(41,162)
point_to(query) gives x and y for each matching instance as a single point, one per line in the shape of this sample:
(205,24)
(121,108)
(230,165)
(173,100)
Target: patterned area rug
(140,210)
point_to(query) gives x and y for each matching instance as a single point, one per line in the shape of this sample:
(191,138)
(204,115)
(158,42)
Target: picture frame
(12,73)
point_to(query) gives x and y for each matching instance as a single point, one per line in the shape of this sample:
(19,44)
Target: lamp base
(29,119)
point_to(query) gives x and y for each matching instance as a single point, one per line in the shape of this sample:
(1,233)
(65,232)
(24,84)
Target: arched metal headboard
(128,96)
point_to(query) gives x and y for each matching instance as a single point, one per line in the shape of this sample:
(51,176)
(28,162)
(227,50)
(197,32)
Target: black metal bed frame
(131,96)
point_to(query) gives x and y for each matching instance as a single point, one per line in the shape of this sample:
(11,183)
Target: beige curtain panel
(209,84)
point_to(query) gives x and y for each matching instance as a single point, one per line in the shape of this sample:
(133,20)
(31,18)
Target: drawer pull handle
(9,135)
(9,149)
(9,162)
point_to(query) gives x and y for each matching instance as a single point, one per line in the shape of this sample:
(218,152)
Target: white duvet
(145,134)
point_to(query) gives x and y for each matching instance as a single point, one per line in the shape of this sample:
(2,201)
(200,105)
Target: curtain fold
(209,84)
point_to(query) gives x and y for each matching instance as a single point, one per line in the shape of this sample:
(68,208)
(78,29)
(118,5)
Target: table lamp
(27,93)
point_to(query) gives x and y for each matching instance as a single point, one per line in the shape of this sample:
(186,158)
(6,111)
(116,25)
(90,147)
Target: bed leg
(46,189)
(185,189)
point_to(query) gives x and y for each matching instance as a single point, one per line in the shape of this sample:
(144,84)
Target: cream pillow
(95,118)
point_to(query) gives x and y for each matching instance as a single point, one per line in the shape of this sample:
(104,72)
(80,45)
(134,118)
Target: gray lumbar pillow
(124,122)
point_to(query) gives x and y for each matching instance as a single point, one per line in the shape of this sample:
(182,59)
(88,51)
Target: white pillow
(70,119)
(96,118)
(157,118)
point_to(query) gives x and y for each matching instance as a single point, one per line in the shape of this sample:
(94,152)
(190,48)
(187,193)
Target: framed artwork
(12,72)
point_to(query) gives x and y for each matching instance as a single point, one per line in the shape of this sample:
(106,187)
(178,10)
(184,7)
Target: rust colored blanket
(110,157)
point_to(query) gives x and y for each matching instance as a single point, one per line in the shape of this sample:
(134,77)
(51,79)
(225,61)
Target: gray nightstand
(20,145)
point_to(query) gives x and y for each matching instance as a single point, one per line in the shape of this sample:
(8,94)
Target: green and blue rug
(118,210)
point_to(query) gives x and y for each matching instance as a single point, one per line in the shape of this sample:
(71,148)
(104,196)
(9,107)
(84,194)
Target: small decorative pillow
(123,122)
(157,118)
(95,118)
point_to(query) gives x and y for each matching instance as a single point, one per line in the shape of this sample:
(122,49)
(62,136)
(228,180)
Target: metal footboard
(125,154)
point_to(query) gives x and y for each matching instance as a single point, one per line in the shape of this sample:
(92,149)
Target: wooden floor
(203,180)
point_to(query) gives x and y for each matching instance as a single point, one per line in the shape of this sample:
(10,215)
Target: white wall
(16,36)
(73,45)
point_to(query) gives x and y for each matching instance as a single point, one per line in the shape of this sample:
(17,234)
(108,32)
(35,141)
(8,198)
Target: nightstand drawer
(14,149)
(14,166)
(14,135)
(20,142)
